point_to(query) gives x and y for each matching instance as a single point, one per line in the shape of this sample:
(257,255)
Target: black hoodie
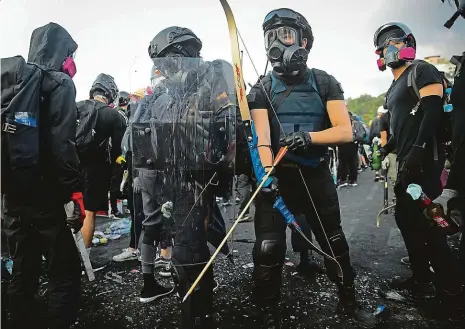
(50,45)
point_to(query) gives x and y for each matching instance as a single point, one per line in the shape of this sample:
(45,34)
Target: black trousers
(348,162)
(244,185)
(270,246)
(424,242)
(32,233)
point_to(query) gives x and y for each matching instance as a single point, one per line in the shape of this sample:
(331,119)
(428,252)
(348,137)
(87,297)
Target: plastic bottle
(433,210)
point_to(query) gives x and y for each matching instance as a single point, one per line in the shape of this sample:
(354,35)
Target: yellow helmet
(139,92)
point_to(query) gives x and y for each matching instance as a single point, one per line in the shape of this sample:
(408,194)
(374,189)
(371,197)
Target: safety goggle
(287,35)
(380,48)
(281,13)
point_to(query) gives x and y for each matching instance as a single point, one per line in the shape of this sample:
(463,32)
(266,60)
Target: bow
(252,141)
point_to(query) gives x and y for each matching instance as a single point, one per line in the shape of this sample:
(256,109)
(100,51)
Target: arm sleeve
(63,118)
(335,91)
(427,74)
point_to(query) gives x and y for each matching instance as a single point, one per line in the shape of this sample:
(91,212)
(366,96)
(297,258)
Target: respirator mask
(69,66)
(284,52)
(392,56)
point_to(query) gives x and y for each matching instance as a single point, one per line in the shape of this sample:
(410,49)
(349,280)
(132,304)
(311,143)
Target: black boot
(206,322)
(348,305)
(270,317)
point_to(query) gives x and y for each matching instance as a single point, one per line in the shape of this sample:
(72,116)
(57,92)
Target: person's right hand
(450,203)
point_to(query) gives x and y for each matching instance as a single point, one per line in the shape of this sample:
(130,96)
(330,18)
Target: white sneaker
(127,254)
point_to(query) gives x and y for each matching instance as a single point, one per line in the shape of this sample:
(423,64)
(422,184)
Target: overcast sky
(113,35)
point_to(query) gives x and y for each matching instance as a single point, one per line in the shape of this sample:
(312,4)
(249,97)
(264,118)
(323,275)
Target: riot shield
(183,140)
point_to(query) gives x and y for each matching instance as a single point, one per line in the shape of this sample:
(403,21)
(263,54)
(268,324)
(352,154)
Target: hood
(50,45)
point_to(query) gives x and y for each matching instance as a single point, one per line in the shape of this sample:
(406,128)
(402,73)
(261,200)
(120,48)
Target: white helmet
(382,110)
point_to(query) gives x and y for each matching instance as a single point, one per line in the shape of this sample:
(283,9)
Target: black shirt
(385,124)
(400,101)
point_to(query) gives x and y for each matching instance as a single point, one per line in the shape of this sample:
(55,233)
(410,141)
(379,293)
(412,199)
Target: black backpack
(358,131)
(87,121)
(445,131)
(21,101)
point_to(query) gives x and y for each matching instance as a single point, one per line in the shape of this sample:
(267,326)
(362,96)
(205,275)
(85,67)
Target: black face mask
(287,60)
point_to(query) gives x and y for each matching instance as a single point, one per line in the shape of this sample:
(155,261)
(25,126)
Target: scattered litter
(122,226)
(103,292)
(292,317)
(294,273)
(135,271)
(8,262)
(114,277)
(393,295)
(129,318)
(235,250)
(249,265)
(289,263)
(99,268)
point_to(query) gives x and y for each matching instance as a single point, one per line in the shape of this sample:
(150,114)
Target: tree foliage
(365,106)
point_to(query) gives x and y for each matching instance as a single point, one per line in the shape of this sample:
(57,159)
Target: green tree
(365,106)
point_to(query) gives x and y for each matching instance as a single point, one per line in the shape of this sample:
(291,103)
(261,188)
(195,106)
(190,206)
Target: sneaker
(161,262)
(155,291)
(353,183)
(377,177)
(127,254)
(166,271)
(342,184)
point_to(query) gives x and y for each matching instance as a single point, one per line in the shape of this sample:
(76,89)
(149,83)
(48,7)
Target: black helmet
(105,84)
(123,99)
(173,36)
(393,30)
(289,17)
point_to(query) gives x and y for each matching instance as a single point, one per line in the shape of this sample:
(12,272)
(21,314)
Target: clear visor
(387,42)
(287,36)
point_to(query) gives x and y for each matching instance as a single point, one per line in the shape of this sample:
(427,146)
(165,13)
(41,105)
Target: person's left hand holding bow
(299,140)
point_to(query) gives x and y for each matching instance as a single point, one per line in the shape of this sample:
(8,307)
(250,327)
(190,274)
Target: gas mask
(395,57)
(69,67)
(284,52)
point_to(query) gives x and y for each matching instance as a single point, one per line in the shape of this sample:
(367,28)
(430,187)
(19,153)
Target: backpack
(445,131)
(358,131)
(85,130)
(21,101)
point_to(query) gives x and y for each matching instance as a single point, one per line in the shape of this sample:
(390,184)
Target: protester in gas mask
(98,139)
(415,125)
(305,182)
(40,173)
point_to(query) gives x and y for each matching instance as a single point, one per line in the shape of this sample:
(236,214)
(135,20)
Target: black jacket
(109,131)
(49,47)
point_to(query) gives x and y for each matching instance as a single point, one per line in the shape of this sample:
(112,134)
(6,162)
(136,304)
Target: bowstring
(282,129)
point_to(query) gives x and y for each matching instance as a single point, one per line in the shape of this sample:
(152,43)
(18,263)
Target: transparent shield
(184,144)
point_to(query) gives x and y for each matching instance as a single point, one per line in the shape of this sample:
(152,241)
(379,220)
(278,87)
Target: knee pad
(338,243)
(269,252)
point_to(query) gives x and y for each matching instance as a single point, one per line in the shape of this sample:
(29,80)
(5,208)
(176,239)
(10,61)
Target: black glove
(271,190)
(382,153)
(296,141)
